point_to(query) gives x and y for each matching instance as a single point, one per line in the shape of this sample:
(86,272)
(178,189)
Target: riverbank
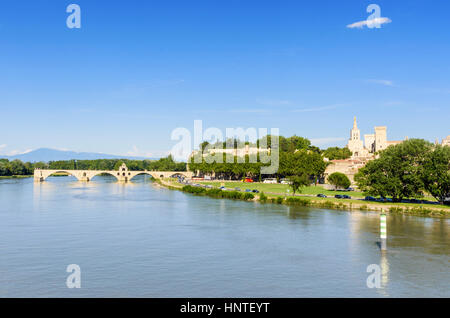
(58,174)
(16,177)
(324,203)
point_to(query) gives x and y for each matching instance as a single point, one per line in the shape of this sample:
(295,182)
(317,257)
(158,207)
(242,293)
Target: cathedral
(363,150)
(372,142)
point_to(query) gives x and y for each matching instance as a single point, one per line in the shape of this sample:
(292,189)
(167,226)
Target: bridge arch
(46,174)
(153,175)
(121,175)
(97,173)
(175,174)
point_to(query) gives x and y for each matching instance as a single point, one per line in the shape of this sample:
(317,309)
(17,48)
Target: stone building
(372,142)
(355,144)
(362,151)
(240,151)
(446,141)
(349,167)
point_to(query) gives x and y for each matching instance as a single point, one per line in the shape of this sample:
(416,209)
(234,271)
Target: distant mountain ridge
(48,154)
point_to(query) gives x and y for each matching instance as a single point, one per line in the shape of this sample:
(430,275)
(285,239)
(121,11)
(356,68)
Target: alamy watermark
(74,279)
(256,144)
(374,279)
(74,19)
(374,20)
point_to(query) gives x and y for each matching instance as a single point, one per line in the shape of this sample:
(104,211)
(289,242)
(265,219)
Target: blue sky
(136,70)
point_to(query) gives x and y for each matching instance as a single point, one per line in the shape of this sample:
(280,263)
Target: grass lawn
(272,189)
(281,188)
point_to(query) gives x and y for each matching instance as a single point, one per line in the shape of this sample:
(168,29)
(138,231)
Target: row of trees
(163,164)
(285,144)
(17,167)
(334,153)
(296,158)
(408,170)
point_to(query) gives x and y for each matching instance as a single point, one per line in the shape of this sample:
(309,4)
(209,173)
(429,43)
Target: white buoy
(383,231)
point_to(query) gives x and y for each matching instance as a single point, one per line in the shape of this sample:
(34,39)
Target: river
(141,240)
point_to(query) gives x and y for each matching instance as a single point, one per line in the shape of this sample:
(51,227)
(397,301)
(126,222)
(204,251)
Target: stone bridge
(122,175)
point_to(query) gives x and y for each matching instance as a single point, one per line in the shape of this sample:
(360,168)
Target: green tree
(301,162)
(436,172)
(339,180)
(297,182)
(17,167)
(397,172)
(334,153)
(118,164)
(4,168)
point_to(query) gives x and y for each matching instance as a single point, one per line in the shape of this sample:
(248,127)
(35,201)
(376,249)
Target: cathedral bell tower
(355,144)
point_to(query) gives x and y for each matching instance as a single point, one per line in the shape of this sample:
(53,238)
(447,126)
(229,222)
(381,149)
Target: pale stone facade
(446,141)
(238,152)
(372,142)
(361,151)
(355,144)
(349,167)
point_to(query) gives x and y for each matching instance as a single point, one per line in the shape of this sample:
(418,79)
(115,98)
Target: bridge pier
(38,179)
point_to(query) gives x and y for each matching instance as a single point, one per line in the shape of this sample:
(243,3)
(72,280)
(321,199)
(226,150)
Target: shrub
(231,194)
(327,204)
(297,201)
(194,190)
(216,193)
(364,207)
(262,197)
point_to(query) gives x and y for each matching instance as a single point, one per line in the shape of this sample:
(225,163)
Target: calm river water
(137,239)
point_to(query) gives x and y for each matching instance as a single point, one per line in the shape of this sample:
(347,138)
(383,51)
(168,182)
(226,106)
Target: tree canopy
(297,182)
(398,172)
(334,153)
(339,180)
(296,157)
(436,172)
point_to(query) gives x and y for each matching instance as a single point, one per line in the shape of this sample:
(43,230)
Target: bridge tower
(123,174)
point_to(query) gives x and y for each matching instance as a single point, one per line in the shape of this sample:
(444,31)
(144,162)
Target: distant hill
(47,154)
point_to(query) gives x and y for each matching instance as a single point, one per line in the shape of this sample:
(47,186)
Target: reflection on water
(138,239)
(430,235)
(384,265)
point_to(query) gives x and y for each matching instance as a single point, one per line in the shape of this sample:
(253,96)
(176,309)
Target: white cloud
(381,82)
(370,23)
(18,152)
(3,146)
